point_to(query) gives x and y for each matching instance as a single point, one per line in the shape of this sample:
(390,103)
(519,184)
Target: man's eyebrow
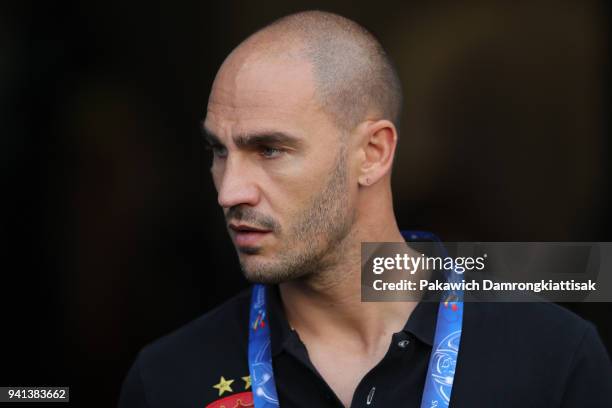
(266,138)
(255,139)
(210,137)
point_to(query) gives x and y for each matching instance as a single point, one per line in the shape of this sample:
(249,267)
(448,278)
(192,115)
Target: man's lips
(246,235)
(246,228)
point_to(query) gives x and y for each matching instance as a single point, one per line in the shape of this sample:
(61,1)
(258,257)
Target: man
(302,121)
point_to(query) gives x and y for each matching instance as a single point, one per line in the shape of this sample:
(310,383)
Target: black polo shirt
(511,355)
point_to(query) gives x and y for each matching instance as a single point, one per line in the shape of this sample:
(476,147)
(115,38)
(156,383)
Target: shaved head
(354,78)
(302,122)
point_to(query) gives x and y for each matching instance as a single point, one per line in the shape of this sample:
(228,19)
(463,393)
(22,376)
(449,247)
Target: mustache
(253,217)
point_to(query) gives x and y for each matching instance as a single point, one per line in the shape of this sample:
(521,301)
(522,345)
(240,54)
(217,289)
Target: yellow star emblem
(247,381)
(224,385)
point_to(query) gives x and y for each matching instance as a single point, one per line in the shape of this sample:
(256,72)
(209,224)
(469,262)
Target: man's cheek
(216,176)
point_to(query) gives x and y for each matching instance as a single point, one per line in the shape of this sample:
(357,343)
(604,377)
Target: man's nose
(237,185)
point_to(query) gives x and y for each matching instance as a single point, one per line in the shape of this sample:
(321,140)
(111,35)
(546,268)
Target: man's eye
(270,152)
(219,151)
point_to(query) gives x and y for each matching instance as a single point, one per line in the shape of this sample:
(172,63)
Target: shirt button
(370,396)
(403,343)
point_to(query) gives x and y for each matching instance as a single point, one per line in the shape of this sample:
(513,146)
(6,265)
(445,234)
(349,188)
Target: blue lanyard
(442,362)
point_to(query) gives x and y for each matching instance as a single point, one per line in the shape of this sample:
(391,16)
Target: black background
(114,237)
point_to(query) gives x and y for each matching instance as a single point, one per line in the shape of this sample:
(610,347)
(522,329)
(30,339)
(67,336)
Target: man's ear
(379,139)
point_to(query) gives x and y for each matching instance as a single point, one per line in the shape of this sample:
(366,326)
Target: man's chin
(249,250)
(264,278)
(266,274)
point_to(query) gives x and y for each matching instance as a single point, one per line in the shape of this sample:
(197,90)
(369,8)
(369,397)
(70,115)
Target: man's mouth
(247,235)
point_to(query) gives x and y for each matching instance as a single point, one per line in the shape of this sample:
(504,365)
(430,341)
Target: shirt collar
(279,326)
(421,323)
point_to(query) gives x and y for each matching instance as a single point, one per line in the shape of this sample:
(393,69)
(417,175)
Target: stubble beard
(313,243)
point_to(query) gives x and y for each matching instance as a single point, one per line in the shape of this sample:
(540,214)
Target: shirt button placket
(370,397)
(403,343)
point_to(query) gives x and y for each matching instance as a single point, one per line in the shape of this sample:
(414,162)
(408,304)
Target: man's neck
(328,305)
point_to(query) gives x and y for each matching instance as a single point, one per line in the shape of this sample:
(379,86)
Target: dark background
(114,237)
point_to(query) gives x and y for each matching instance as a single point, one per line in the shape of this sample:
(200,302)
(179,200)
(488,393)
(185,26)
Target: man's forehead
(251,90)
(264,79)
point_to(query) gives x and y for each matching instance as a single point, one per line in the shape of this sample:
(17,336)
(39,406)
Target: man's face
(279,167)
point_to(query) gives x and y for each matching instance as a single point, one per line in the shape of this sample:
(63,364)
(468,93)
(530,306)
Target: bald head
(278,121)
(354,78)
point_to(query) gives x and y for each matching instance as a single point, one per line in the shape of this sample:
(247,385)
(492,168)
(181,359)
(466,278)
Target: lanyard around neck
(442,362)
